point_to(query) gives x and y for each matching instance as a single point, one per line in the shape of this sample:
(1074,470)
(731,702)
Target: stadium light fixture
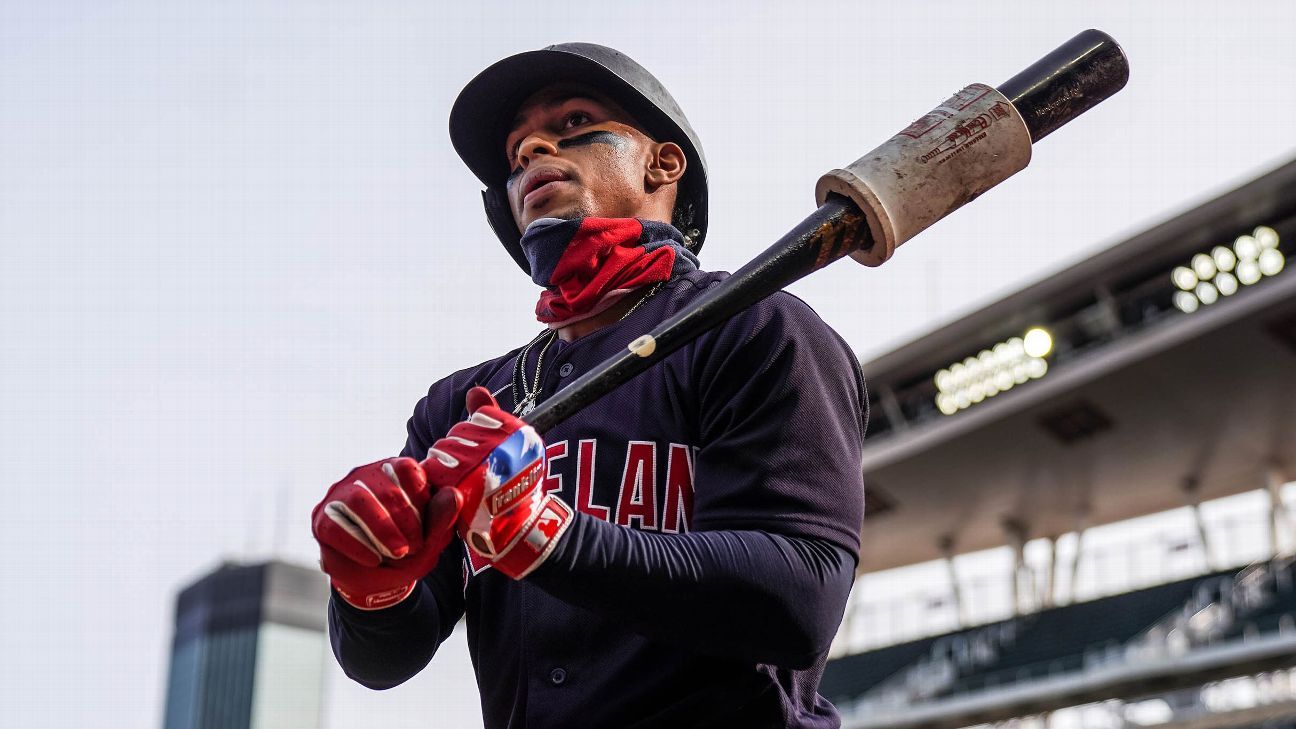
(1223,271)
(1038,343)
(1225,283)
(1225,259)
(1186,301)
(1246,247)
(1204,266)
(1206,293)
(1267,237)
(1184,278)
(993,370)
(1271,262)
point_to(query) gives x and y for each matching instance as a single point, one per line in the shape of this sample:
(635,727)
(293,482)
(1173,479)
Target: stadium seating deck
(850,676)
(1057,640)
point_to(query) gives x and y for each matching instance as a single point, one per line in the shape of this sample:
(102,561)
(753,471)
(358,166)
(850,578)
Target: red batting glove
(379,531)
(497,463)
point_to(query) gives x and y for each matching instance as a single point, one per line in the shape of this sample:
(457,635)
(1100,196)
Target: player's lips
(540,181)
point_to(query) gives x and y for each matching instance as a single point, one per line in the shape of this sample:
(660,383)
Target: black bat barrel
(1067,82)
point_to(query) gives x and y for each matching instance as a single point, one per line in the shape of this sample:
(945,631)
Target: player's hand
(381,529)
(497,463)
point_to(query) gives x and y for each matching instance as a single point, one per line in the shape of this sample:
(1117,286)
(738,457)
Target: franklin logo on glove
(501,490)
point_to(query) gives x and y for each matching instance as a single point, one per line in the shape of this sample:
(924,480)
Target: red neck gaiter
(588,264)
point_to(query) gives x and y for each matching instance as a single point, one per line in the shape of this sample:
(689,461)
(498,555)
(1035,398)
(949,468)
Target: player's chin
(562,209)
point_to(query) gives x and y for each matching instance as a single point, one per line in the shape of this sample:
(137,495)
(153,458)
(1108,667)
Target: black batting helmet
(480,119)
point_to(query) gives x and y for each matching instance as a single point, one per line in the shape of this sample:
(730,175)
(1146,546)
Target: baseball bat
(971,142)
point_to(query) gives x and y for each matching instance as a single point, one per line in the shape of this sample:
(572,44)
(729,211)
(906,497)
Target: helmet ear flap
(500,217)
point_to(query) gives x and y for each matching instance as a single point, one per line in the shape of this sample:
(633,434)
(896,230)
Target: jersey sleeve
(380,649)
(782,414)
(738,594)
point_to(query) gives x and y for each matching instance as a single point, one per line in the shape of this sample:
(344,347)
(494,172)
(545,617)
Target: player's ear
(666,164)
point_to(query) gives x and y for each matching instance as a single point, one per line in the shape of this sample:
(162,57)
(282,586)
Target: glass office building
(249,649)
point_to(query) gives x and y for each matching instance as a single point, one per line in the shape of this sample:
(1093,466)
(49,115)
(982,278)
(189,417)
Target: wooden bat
(973,141)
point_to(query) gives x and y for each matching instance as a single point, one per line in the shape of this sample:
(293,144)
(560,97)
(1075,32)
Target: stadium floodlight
(1271,262)
(994,370)
(1267,237)
(1184,278)
(946,404)
(1223,271)
(1003,380)
(1206,293)
(1226,283)
(1019,374)
(1037,342)
(1246,247)
(1225,260)
(1186,301)
(1204,266)
(944,380)
(1248,272)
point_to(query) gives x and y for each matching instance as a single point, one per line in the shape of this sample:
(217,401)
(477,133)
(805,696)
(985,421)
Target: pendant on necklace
(528,407)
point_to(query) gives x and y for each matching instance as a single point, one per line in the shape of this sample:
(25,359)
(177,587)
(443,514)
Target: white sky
(236,247)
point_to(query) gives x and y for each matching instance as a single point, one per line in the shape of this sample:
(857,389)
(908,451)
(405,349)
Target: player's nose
(535,145)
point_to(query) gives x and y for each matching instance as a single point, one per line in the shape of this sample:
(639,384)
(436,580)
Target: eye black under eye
(517,146)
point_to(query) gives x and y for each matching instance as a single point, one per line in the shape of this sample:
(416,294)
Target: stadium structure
(1085,482)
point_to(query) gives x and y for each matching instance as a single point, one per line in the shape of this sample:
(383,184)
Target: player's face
(575,153)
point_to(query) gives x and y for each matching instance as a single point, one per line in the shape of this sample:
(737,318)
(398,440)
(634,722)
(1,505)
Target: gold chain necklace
(531,394)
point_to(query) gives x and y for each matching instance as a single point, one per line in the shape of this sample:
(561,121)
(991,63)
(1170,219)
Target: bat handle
(1072,79)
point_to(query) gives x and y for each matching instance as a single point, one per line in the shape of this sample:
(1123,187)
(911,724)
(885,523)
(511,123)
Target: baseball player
(677,554)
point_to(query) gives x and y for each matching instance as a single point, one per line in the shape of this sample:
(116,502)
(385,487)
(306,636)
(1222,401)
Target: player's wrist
(536,540)
(369,601)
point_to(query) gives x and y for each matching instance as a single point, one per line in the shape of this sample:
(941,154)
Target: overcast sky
(236,247)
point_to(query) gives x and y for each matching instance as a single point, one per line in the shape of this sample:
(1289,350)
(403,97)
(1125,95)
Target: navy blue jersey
(720,499)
